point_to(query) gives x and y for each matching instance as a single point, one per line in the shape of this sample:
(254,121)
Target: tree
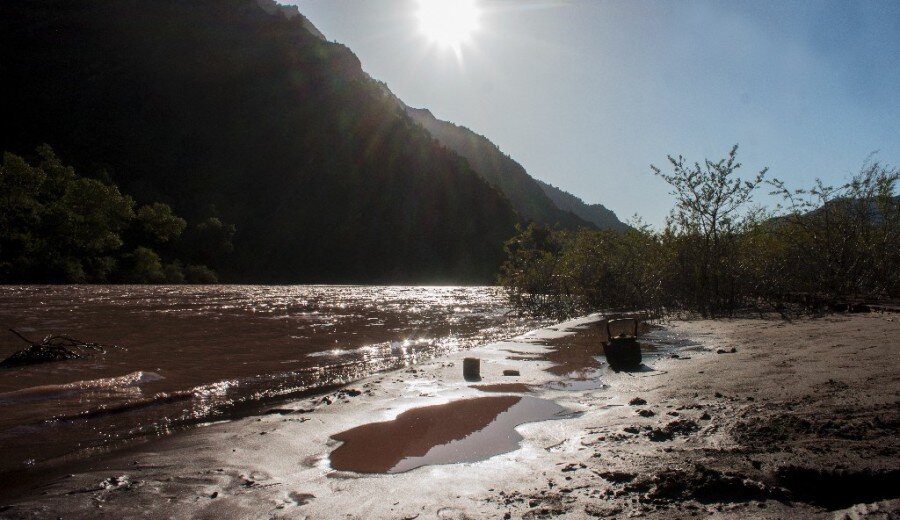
(145,266)
(157,222)
(529,273)
(844,240)
(710,200)
(57,226)
(20,210)
(210,241)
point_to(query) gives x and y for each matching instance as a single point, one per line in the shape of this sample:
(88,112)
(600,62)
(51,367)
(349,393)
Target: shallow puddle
(578,385)
(578,356)
(468,430)
(503,387)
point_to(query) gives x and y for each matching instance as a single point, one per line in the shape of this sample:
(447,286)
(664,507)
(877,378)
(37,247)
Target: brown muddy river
(197,354)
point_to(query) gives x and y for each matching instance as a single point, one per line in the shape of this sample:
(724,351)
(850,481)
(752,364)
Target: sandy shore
(731,418)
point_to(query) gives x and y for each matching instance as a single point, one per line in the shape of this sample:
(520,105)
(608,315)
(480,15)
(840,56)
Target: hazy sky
(586,94)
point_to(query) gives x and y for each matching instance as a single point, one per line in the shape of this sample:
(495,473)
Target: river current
(197,354)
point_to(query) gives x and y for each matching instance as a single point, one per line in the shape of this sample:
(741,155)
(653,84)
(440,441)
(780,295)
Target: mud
(801,421)
(504,388)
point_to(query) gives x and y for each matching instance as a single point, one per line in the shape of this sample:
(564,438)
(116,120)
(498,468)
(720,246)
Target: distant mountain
(501,171)
(596,214)
(289,12)
(223,109)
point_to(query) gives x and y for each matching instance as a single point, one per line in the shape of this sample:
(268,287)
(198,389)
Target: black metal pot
(623,351)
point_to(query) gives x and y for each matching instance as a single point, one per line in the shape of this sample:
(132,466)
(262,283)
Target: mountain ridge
(597,214)
(222,110)
(499,170)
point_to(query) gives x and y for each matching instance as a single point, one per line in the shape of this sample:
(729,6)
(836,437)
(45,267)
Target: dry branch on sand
(52,348)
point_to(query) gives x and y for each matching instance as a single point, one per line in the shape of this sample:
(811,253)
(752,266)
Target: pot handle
(609,332)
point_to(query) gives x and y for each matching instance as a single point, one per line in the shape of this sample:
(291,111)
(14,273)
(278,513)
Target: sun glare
(449,23)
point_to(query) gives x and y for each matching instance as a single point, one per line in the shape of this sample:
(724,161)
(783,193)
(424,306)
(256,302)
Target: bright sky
(586,94)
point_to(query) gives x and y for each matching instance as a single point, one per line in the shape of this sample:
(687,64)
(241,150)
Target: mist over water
(195,354)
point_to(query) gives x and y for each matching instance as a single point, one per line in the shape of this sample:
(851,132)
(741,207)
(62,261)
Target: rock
(511,373)
(645,413)
(659,435)
(637,401)
(669,431)
(617,477)
(704,485)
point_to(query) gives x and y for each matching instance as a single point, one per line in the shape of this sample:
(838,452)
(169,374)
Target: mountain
(221,108)
(596,214)
(290,11)
(500,170)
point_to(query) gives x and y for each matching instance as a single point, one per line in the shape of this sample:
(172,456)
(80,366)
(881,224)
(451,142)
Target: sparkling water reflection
(198,353)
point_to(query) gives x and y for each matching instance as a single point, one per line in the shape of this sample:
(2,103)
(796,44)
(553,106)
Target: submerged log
(52,348)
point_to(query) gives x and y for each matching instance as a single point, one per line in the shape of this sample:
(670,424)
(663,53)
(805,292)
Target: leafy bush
(717,254)
(56,226)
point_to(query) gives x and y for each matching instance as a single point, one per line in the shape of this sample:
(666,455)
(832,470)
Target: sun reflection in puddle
(467,430)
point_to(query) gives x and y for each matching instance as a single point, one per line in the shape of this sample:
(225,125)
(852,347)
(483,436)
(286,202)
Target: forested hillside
(500,170)
(596,214)
(223,110)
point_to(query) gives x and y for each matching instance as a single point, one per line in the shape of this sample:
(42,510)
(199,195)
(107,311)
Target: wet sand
(799,421)
(504,388)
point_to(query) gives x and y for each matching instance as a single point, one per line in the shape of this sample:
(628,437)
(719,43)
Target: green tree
(529,273)
(159,223)
(56,226)
(210,241)
(145,266)
(200,274)
(844,240)
(20,212)
(709,215)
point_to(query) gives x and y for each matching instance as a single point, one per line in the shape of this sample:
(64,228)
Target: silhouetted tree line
(217,108)
(57,226)
(718,254)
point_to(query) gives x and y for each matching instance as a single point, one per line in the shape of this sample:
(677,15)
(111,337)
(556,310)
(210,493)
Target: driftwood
(52,348)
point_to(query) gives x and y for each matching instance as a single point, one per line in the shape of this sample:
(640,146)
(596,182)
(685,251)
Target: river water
(196,354)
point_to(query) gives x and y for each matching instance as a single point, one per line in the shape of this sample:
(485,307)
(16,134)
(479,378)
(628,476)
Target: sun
(449,23)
